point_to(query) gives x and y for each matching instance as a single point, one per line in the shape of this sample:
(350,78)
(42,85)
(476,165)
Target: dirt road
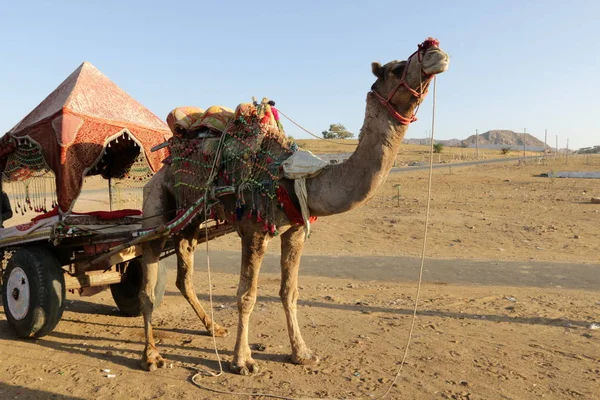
(403,269)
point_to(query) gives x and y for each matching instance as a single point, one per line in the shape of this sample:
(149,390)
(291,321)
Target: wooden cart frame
(39,269)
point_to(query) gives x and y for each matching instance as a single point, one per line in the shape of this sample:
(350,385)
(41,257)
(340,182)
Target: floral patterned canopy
(75,123)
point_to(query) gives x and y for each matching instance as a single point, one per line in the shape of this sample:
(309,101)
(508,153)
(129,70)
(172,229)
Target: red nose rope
(421,49)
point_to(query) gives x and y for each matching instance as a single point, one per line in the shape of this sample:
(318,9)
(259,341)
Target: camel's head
(402,85)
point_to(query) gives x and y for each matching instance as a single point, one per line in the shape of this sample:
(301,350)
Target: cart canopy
(76,127)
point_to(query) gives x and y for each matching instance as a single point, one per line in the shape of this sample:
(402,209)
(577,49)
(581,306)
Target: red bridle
(422,48)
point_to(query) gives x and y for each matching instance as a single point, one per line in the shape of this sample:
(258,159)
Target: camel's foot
(219,331)
(151,360)
(305,357)
(243,367)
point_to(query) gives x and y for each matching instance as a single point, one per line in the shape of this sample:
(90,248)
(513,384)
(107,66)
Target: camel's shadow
(83,307)
(362,308)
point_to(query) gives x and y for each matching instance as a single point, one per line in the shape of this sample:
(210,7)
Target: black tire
(33,293)
(126,294)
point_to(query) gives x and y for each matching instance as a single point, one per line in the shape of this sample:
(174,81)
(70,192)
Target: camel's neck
(342,187)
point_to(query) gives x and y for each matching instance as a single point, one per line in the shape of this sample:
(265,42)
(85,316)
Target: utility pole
(477,142)
(556,150)
(524,132)
(567,153)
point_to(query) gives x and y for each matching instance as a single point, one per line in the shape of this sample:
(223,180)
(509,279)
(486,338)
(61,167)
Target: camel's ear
(377,69)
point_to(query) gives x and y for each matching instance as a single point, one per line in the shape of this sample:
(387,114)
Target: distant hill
(501,137)
(494,139)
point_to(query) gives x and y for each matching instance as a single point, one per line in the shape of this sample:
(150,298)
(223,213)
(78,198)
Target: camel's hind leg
(151,359)
(155,213)
(185,245)
(292,243)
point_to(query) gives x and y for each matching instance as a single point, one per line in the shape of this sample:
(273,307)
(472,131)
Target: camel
(399,88)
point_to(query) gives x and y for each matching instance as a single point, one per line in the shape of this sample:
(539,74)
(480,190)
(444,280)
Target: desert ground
(524,339)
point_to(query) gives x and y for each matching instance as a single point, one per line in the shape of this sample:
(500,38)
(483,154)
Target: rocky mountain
(496,138)
(505,138)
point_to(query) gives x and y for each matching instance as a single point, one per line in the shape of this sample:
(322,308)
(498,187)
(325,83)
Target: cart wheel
(126,294)
(34,292)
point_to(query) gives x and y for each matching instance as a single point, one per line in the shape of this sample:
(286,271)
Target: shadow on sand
(18,392)
(84,345)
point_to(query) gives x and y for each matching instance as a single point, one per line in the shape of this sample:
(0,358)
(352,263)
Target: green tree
(337,131)
(438,147)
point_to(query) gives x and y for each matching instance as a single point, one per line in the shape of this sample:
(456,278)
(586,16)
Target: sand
(469,341)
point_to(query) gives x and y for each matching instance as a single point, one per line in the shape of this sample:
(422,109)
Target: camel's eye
(398,69)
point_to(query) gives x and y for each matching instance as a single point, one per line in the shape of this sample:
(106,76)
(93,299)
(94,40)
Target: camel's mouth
(435,61)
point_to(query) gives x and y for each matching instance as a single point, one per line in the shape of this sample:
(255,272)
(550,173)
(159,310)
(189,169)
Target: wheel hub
(17,285)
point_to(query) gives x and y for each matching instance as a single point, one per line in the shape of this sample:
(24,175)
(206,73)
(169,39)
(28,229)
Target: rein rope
(312,134)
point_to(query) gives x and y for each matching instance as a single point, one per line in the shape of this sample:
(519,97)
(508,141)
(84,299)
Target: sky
(513,64)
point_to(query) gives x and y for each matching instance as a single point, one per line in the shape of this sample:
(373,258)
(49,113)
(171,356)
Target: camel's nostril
(435,62)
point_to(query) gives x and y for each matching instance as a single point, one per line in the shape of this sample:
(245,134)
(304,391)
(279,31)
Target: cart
(87,127)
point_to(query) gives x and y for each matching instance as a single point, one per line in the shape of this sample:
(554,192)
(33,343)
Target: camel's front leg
(254,245)
(292,243)
(184,247)
(151,359)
